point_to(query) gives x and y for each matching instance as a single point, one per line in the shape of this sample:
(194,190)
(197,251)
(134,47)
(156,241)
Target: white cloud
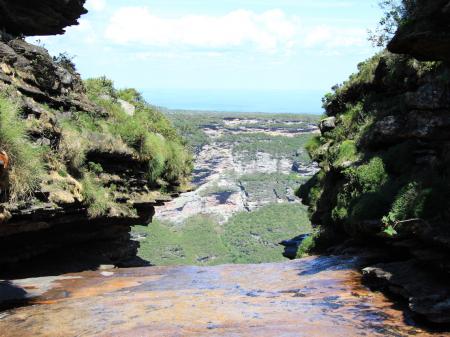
(332,37)
(268,31)
(96,5)
(240,30)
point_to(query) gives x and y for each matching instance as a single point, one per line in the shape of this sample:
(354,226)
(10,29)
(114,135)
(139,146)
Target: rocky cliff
(82,165)
(384,153)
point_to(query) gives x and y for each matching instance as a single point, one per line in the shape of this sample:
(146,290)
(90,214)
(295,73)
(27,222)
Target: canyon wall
(384,154)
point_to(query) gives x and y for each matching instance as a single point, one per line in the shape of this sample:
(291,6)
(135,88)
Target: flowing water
(317,296)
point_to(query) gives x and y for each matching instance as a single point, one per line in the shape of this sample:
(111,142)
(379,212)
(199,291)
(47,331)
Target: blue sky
(272,45)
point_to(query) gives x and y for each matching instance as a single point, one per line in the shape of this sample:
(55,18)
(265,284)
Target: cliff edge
(81,162)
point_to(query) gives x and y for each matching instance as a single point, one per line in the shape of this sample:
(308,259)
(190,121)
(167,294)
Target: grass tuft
(26,160)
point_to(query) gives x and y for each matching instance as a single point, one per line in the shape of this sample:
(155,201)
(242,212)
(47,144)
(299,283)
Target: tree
(396,13)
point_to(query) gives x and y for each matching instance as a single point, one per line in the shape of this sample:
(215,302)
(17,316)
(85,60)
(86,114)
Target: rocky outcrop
(426,34)
(54,223)
(45,17)
(427,294)
(385,164)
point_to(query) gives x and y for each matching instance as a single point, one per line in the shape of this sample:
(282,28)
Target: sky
(165,47)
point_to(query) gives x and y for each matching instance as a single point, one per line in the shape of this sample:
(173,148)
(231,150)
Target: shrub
(313,145)
(396,13)
(307,245)
(148,131)
(368,177)
(95,167)
(26,160)
(130,95)
(65,61)
(97,88)
(363,186)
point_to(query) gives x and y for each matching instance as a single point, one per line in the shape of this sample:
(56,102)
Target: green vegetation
(190,124)
(145,133)
(197,242)
(346,153)
(408,204)
(97,198)
(37,148)
(253,237)
(26,159)
(216,189)
(263,185)
(250,144)
(247,237)
(370,183)
(307,246)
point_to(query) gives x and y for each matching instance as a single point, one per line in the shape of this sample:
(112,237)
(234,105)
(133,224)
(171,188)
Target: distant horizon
(235,101)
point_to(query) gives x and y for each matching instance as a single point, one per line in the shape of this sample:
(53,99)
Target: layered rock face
(46,17)
(57,222)
(57,217)
(384,153)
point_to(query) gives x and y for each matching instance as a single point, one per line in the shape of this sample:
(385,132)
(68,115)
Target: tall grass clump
(156,151)
(179,162)
(97,198)
(73,146)
(26,159)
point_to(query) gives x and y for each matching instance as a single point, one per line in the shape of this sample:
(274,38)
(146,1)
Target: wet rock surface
(427,295)
(317,296)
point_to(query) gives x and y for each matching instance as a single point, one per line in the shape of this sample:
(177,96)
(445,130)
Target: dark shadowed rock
(427,295)
(426,35)
(45,17)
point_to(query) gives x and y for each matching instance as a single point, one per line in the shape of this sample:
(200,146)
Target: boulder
(427,294)
(127,107)
(327,124)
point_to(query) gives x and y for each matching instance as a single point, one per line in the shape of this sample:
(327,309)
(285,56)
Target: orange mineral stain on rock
(318,296)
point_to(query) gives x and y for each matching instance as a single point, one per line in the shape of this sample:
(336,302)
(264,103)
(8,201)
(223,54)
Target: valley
(246,170)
